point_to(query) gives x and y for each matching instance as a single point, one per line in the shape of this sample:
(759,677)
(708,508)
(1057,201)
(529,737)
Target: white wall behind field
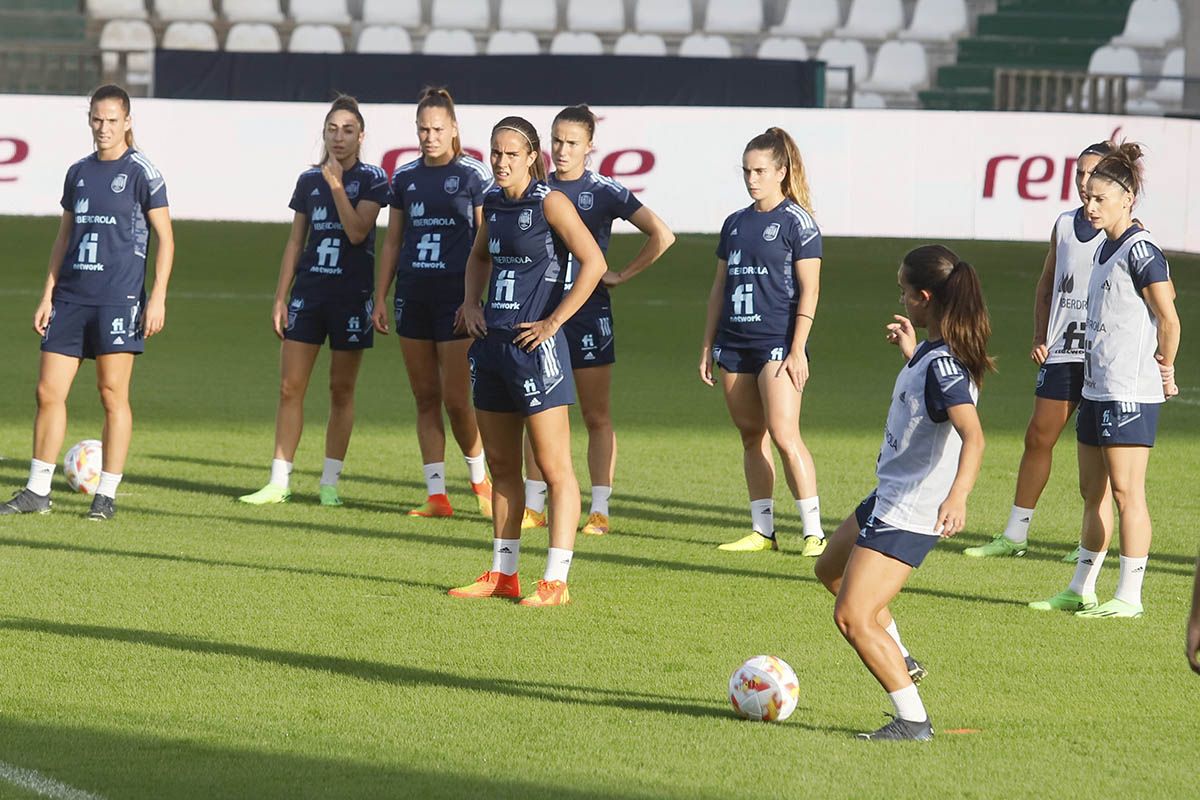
(930,174)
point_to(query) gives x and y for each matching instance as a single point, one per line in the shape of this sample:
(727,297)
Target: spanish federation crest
(585,201)
(525,221)
(352,189)
(118,183)
(451,184)
(771,232)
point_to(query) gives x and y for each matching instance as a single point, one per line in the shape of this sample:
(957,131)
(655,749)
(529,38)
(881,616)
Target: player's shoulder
(474,165)
(799,216)
(541,190)
(731,221)
(406,168)
(145,165)
(375,172)
(493,195)
(605,183)
(309,175)
(83,163)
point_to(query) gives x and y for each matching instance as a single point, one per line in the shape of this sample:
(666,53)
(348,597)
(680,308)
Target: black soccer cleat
(102,508)
(915,670)
(27,502)
(901,730)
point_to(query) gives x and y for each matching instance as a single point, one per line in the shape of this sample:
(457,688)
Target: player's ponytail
(439,97)
(530,135)
(957,304)
(782,148)
(1123,166)
(343,102)
(579,115)
(110,91)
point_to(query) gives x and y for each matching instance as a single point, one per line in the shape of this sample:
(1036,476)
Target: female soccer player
(1128,372)
(1059,317)
(330,280)
(760,314)
(930,456)
(517,370)
(437,201)
(599,201)
(95,295)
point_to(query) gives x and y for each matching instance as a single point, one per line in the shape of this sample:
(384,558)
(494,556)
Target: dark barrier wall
(517,80)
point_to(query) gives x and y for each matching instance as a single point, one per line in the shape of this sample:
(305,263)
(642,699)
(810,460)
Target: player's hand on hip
(796,367)
(611,279)
(1039,353)
(41,317)
(156,316)
(706,370)
(952,517)
(1170,388)
(469,320)
(532,334)
(902,334)
(379,318)
(279,318)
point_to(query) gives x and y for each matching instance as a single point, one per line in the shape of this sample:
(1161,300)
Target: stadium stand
(333,12)
(640,44)
(731,17)
(384,39)
(539,16)
(316,38)
(937,21)
(663,16)
(512,43)
(182,35)
(185,10)
(900,69)
(116,9)
(811,19)
(406,13)
(473,15)
(705,45)
(253,37)
(785,48)
(872,20)
(450,42)
(252,10)
(596,16)
(1150,24)
(569,43)
(843,53)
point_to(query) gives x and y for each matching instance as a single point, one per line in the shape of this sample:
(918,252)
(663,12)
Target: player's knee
(291,391)
(827,573)
(428,399)
(459,409)
(597,421)
(48,395)
(113,397)
(1039,437)
(341,393)
(752,436)
(1128,499)
(786,438)
(849,620)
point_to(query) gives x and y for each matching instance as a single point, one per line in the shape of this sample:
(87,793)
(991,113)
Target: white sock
(1129,584)
(505,553)
(762,517)
(332,471)
(908,704)
(535,495)
(40,475)
(1017,529)
(558,564)
(600,495)
(435,478)
(810,515)
(894,632)
(108,484)
(476,468)
(1087,569)
(281,472)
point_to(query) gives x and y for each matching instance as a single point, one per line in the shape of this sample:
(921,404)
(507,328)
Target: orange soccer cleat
(490,584)
(483,494)
(549,593)
(597,524)
(533,519)
(437,505)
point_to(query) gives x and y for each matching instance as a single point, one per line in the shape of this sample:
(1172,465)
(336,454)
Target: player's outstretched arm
(952,514)
(164,262)
(287,272)
(659,239)
(41,316)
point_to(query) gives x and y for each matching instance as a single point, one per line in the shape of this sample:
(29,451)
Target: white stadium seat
(316,39)
(512,43)
(529,15)
(185,10)
(472,15)
(116,9)
(190,36)
(703,45)
(640,44)
(872,19)
(900,67)
(843,53)
(392,12)
(334,12)
(663,16)
(783,48)
(1170,92)
(1151,23)
(251,11)
(1110,60)
(733,16)
(384,39)
(810,18)
(937,21)
(576,44)
(596,16)
(453,42)
(252,37)
(127,34)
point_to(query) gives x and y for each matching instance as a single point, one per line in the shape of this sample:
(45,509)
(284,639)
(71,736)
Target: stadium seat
(872,19)
(251,11)
(384,39)
(512,43)
(529,15)
(334,12)
(704,45)
(900,67)
(843,53)
(1110,60)
(733,16)
(937,21)
(316,39)
(640,44)
(663,16)
(813,19)
(185,10)
(252,37)
(473,15)
(1151,23)
(392,12)
(116,9)
(127,34)
(596,16)
(576,44)
(452,42)
(190,36)
(783,48)
(1170,92)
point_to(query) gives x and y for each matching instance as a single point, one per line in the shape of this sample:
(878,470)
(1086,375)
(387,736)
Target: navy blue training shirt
(527,258)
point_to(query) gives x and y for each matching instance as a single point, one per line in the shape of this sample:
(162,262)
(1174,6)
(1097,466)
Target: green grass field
(198,648)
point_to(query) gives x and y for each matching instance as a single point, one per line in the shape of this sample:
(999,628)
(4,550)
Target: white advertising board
(922,174)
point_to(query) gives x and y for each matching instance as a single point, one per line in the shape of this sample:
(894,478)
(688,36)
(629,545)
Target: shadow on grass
(350,477)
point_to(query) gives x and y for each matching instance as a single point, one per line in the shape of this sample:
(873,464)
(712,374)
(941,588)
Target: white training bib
(1066,331)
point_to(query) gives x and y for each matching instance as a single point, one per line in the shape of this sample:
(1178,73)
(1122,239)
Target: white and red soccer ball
(82,466)
(764,688)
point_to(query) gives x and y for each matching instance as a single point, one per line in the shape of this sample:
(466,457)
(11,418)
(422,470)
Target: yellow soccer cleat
(268,495)
(596,525)
(751,543)
(533,519)
(549,593)
(813,546)
(490,584)
(483,494)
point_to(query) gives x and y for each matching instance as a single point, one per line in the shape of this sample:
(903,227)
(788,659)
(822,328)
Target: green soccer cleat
(268,495)
(1073,556)
(1066,600)
(1113,609)
(998,547)
(329,496)
(813,546)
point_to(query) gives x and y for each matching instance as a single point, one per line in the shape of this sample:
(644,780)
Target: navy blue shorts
(89,331)
(347,324)
(1102,423)
(875,534)
(590,338)
(748,360)
(421,314)
(506,379)
(1062,381)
